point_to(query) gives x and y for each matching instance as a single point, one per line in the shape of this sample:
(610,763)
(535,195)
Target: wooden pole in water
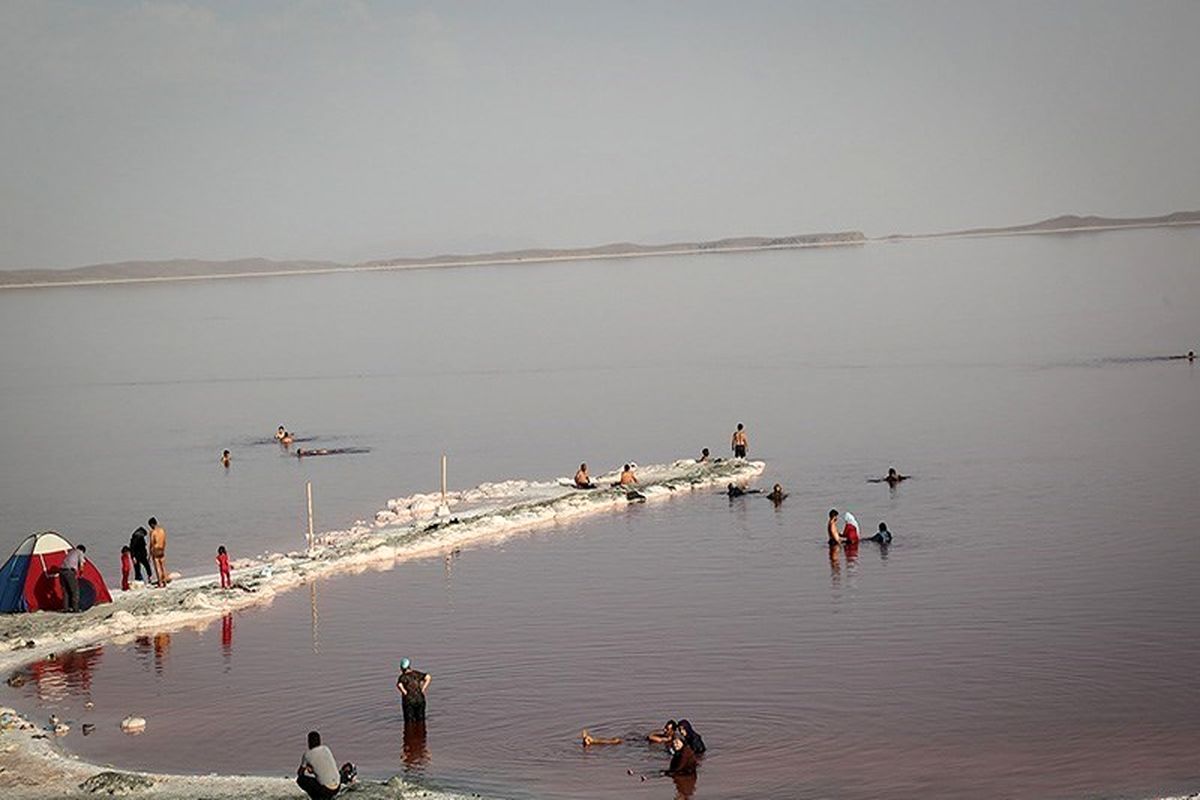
(308,489)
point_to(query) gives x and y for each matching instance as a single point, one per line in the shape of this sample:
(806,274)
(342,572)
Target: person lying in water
(663,736)
(286,439)
(737,491)
(777,495)
(587,740)
(279,434)
(582,479)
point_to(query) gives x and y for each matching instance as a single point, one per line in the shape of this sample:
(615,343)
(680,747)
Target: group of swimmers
(685,745)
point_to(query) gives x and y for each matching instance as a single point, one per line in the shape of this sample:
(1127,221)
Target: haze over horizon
(354,131)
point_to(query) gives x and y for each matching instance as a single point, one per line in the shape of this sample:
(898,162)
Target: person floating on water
(412,685)
(737,491)
(582,479)
(587,740)
(777,495)
(225,459)
(663,736)
(883,537)
(286,439)
(835,538)
(739,443)
(279,434)
(850,529)
(893,477)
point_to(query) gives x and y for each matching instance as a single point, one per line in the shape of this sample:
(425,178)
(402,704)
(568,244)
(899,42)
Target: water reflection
(416,747)
(60,675)
(835,564)
(685,786)
(162,647)
(315,617)
(227,636)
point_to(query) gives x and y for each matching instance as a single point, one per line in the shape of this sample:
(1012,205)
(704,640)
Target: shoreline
(436,264)
(501,259)
(34,764)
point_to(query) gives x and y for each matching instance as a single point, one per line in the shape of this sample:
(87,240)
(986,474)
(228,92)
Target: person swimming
(663,736)
(777,495)
(279,434)
(286,439)
(225,459)
(883,537)
(850,529)
(582,479)
(587,740)
(835,538)
(894,477)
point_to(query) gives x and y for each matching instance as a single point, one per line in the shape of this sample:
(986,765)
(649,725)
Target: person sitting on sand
(627,477)
(587,740)
(777,495)
(835,538)
(704,457)
(883,537)
(279,434)
(663,736)
(582,479)
(225,459)
(318,774)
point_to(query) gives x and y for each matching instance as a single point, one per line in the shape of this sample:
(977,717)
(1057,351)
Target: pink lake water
(1031,633)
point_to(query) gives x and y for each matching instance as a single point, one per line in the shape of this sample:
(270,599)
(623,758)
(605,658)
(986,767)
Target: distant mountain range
(1068,223)
(191,269)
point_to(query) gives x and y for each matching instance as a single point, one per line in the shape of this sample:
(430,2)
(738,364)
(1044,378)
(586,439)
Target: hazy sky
(356,130)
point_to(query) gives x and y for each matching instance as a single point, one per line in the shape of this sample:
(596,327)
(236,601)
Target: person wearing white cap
(412,685)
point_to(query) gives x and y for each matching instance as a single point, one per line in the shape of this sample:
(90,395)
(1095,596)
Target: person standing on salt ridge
(739,442)
(223,567)
(68,575)
(850,530)
(158,551)
(141,555)
(412,685)
(126,566)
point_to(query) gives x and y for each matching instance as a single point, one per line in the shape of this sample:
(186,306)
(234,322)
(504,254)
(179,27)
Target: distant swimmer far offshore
(892,478)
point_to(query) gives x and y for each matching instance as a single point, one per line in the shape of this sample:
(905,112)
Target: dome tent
(29,579)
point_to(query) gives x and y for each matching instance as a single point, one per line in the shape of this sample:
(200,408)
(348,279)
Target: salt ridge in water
(407,528)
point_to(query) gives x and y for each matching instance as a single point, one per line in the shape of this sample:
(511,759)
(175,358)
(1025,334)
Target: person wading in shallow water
(412,685)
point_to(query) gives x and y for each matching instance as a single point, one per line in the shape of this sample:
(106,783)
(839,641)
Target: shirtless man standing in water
(834,536)
(739,442)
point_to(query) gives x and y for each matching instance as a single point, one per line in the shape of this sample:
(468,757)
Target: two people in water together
(685,745)
(849,534)
(777,495)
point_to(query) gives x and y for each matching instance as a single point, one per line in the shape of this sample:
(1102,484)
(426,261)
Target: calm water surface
(1031,633)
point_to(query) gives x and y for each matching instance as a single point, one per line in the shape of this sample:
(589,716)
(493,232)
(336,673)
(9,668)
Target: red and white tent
(29,579)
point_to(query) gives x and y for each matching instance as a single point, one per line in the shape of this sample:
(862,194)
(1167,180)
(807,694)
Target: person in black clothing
(140,553)
(689,736)
(412,684)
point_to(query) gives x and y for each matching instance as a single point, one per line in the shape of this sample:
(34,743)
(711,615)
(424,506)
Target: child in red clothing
(126,566)
(223,565)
